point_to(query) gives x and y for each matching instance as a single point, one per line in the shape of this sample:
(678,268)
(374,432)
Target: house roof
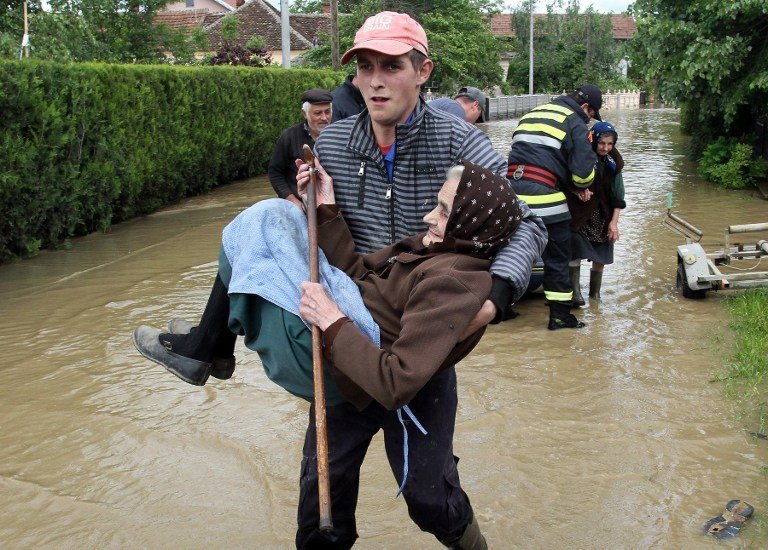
(186,20)
(311,25)
(624,26)
(258,18)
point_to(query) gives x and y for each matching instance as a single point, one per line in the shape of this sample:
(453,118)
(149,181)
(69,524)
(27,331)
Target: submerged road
(608,437)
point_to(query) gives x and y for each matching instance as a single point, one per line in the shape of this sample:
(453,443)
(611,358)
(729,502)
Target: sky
(600,6)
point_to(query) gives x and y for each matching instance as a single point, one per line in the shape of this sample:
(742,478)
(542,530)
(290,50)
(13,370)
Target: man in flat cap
(316,109)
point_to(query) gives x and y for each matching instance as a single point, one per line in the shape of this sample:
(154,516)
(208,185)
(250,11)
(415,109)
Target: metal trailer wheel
(684,289)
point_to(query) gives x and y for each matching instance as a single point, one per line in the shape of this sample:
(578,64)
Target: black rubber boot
(575,272)
(212,337)
(147,341)
(595,282)
(560,316)
(471,539)
(223,367)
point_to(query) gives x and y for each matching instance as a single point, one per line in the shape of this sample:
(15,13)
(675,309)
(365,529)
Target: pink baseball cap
(390,33)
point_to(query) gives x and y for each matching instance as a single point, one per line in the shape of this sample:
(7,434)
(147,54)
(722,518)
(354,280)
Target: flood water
(608,437)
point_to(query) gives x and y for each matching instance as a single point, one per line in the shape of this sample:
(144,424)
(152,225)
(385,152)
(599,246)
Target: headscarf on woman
(613,161)
(485,213)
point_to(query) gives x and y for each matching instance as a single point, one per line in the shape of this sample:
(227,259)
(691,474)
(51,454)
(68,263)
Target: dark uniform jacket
(282,168)
(423,301)
(347,101)
(553,137)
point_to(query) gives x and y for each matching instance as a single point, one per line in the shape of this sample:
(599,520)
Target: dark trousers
(557,254)
(435,500)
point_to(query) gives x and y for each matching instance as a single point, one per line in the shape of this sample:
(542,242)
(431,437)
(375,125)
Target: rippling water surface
(608,437)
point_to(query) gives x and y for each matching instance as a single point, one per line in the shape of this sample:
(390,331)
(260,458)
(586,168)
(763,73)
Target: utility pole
(530,53)
(335,34)
(25,38)
(285,28)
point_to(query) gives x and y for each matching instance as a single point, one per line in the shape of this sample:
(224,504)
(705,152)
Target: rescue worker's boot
(595,282)
(578,299)
(471,539)
(560,316)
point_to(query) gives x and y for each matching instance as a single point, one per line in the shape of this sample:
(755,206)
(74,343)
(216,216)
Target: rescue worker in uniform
(551,155)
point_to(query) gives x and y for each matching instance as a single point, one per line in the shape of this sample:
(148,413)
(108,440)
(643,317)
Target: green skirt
(282,340)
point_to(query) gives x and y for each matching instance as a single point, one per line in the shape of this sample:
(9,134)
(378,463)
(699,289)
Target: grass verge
(747,374)
(748,364)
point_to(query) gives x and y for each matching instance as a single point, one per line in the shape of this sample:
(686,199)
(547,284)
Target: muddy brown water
(609,437)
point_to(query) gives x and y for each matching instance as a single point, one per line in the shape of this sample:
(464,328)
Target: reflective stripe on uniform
(546,116)
(587,180)
(550,210)
(543,128)
(552,107)
(548,198)
(538,140)
(558,296)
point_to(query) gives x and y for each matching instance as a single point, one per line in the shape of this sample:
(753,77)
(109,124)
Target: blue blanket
(267,247)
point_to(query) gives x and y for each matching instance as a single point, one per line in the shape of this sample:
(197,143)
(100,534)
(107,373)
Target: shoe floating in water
(730,522)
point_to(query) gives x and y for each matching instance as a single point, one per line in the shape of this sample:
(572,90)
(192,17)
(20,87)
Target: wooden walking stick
(321,433)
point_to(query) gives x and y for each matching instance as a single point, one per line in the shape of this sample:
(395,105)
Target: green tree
(569,49)
(12,25)
(709,57)
(460,40)
(316,6)
(119,31)
(307,6)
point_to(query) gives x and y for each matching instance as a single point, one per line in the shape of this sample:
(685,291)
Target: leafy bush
(87,145)
(237,55)
(728,162)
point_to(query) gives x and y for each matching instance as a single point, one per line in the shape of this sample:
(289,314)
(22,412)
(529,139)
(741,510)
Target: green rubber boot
(595,282)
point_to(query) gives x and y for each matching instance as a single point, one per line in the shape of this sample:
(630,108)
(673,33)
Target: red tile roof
(186,20)
(258,18)
(624,26)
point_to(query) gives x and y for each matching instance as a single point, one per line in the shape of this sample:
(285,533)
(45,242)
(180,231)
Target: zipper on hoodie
(361,186)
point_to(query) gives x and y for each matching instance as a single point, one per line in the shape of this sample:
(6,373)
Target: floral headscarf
(485,213)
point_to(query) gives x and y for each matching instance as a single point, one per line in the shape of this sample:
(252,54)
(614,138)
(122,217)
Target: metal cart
(730,266)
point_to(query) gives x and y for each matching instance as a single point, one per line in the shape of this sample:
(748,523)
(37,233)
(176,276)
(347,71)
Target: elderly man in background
(317,111)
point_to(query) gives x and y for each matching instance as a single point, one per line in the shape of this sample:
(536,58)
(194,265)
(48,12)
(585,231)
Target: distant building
(256,18)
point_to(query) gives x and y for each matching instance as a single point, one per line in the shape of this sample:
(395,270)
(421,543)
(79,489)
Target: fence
(621,100)
(510,106)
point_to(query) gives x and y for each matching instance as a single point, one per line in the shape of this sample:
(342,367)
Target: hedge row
(88,145)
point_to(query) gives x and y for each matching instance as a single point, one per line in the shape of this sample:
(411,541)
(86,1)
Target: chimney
(326,8)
